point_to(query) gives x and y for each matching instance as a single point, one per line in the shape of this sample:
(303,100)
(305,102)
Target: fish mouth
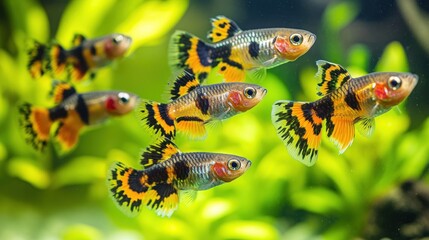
(312,39)
(249,163)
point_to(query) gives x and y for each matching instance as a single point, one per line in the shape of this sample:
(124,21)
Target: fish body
(73,111)
(169,173)
(345,101)
(235,51)
(85,56)
(193,105)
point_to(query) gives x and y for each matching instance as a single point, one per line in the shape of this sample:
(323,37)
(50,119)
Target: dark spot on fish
(157,175)
(203,52)
(222,25)
(202,102)
(254,49)
(134,182)
(93,50)
(223,68)
(351,100)
(202,76)
(189,119)
(57,113)
(182,170)
(82,109)
(218,34)
(308,115)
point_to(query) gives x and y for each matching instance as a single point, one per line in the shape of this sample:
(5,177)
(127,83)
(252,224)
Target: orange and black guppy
(192,106)
(169,176)
(73,111)
(345,102)
(84,57)
(235,52)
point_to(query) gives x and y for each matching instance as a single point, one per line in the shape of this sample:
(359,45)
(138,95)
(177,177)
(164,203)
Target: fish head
(229,167)
(290,44)
(390,89)
(120,103)
(116,45)
(243,96)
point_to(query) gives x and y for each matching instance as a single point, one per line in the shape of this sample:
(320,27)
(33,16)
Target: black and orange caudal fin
(331,76)
(159,151)
(183,84)
(37,125)
(36,61)
(156,118)
(341,131)
(223,28)
(67,133)
(130,189)
(57,59)
(190,53)
(126,188)
(61,91)
(299,127)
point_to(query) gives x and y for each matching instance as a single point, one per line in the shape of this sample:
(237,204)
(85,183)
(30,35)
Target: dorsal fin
(183,84)
(223,28)
(78,39)
(61,91)
(160,151)
(331,75)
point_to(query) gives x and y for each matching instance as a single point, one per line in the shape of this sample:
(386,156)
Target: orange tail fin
(57,59)
(67,133)
(299,128)
(155,117)
(37,124)
(36,60)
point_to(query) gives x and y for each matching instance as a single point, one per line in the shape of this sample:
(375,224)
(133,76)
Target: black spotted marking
(93,50)
(60,58)
(81,64)
(157,152)
(202,76)
(334,75)
(324,109)
(292,124)
(37,54)
(163,111)
(183,43)
(182,170)
(223,68)
(82,109)
(203,52)
(150,119)
(134,182)
(57,113)
(181,82)
(254,49)
(221,52)
(352,100)
(202,102)
(233,64)
(307,112)
(157,174)
(164,191)
(222,25)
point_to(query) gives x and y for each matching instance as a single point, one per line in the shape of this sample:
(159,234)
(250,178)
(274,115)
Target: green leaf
(393,59)
(29,171)
(340,14)
(318,200)
(246,230)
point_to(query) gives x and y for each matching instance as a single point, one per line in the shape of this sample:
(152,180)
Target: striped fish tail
(299,127)
(36,60)
(155,117)
(57,59)
(36,123)
(190,53)
(130,189)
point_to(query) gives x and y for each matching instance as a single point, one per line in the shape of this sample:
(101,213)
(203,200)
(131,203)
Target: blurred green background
(64,196)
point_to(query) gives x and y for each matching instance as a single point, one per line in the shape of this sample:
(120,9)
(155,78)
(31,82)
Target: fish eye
(123,97)
(250,92)
(234,164)
(394,82)
(296,39)
(118,39)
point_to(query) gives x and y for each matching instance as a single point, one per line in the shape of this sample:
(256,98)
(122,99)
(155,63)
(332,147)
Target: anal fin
(366,126)
(163,198)
(67,133)
(341,132)
(231,71)
(192,126)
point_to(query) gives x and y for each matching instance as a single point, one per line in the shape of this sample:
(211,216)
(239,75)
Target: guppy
(73,111)
(169,174)
(85,56)
(345,101)
(193,105)
(235,51)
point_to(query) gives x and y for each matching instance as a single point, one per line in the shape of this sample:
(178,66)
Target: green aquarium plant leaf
(393,59)
(29,171)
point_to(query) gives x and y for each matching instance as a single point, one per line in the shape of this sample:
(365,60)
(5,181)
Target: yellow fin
(163,198)
(331,76)
(36,61)
(61,91)
(299,128)
(37,125)
(67,133)
(127,187)
(57,59)
(156,118)
(341,131)
(78,39)
(192,126)
(183,84)
(223,28)
(160,151)
(232,71)
(190,53)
